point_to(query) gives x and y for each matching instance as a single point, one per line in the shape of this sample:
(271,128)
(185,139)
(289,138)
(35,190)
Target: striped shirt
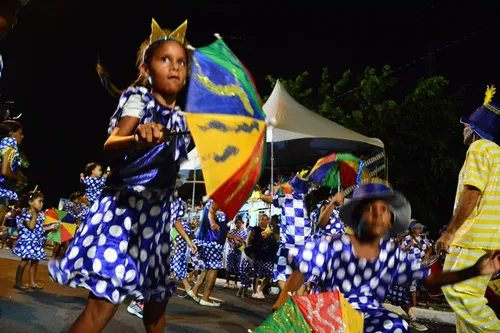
(481,170)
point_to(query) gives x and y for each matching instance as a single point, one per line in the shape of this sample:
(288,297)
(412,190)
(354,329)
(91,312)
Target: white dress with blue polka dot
(211,243)
(123,248)
(364,283)
(178,264)
(8,145)
(30,242)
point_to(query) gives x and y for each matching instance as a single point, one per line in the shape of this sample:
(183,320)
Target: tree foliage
(419,126)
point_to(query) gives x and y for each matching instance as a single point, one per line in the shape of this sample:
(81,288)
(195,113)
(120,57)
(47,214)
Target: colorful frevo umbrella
(337,171)
(317,313)
(282,188)
(227,124)
(67,225)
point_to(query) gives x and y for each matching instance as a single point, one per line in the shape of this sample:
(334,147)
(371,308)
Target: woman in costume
(123,248)
(210,239)
(235,251)
(365,265)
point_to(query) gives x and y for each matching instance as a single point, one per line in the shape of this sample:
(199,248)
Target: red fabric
(323,312)
(347,175)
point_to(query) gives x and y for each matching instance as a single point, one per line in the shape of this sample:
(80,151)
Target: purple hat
(378,190)
(485,121)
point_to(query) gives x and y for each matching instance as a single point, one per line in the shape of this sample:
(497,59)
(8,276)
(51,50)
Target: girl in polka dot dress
(31,238)
(364,266)
(235,251)
(11,136)
(326,215)
(93,180)
(182,241)
(123,247)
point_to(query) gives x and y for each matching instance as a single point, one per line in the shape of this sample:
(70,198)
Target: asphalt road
(54,308)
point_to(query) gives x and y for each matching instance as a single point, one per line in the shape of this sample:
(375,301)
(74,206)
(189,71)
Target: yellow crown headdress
(375,181)
(303,175)
(158,34)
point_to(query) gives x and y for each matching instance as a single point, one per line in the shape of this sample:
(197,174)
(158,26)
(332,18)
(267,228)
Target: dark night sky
(51,55)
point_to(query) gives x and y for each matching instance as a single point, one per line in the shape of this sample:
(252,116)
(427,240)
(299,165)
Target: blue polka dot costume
(77,211)
(211,243)
(234,254)
(8,145)
(246,271)
(123,248)
(30,242)
(364,283)
(178,263)
(419,248)
(334,227)
(295,229)
(93,187)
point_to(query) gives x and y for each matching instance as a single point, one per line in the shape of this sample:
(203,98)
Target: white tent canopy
(294,121)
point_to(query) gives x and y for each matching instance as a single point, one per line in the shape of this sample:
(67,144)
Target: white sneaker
(193,296)
(212,304)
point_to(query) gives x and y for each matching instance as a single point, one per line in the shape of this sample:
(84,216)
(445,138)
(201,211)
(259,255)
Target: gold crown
(303,175)
(157,33)
(488,95)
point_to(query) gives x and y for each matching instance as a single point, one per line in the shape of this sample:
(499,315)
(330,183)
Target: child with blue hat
(363,266)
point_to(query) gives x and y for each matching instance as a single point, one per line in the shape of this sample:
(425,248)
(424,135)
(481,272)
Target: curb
(440,317)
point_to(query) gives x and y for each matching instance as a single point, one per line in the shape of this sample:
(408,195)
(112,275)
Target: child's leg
(33,271)
(19,274)
(186,284)
(95,317)
(154,316)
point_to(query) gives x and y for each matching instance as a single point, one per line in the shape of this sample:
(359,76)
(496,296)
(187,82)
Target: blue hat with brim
(485,121)
(378,190)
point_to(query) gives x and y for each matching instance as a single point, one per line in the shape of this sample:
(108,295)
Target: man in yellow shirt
(475,225)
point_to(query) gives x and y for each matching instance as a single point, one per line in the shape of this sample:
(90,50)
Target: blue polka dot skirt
(211,253)
(122,248)
(179,259)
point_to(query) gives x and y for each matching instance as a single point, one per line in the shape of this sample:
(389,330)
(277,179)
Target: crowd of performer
(134,238)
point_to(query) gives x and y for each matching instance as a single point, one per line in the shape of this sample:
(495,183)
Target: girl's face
(238,224)
(97,172)
(37,204)
(376,218)
(168,68)
(18,135)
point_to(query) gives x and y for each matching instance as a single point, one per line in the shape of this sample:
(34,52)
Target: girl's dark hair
(8,127)
(316,196)
(75,196)
(90,167)
(26,198)
(144,55)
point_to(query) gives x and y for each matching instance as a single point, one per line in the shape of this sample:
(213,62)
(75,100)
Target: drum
(434,265)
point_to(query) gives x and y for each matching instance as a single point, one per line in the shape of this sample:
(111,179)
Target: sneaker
(240,292)
(135,309)
(211,304)
(417,326)
(193,296)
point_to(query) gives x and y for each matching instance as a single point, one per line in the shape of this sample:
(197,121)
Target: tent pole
(194,190)
(271,188)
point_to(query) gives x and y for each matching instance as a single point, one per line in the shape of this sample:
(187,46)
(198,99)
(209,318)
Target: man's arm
(468,200)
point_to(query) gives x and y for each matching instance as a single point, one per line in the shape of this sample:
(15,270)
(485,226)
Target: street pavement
(54,308)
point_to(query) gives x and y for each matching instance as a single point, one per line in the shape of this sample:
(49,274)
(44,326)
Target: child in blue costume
(32,238)
(325,215)
(94,181)
(364,266)
(123,247)
(11,136)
